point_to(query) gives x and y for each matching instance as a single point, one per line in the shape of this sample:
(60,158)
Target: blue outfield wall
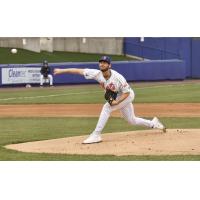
(132,71)
(196,58)
(151,70)
(161,48)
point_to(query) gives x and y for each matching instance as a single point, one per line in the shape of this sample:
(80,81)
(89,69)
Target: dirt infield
(148,142)
(93,110)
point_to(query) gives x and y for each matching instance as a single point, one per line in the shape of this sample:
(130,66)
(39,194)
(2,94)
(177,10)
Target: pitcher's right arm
(68,71)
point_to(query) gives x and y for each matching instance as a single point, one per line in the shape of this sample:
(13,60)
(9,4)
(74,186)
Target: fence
(161,48)
(131,70)
(147,52)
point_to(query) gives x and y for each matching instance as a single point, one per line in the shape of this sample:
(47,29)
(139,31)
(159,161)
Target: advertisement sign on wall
(14,75)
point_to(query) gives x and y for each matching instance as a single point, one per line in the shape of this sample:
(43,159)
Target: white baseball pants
(43,79)
(127,110)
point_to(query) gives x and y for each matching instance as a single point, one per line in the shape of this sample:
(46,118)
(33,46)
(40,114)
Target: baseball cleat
(157,124)
(93,138)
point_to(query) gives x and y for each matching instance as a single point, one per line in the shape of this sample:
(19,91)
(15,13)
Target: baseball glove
(110,96)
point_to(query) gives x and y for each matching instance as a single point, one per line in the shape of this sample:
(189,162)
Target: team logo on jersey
(111,86)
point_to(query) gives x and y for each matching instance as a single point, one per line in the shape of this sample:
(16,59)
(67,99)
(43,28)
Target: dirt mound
(147,142)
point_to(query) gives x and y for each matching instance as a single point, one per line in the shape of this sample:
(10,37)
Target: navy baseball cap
(106,59)
(45,62)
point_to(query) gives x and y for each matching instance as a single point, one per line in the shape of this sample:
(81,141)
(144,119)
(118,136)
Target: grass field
(154,93)
(15,130)
(25,56)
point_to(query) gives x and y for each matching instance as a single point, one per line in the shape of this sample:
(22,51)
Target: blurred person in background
(46,76)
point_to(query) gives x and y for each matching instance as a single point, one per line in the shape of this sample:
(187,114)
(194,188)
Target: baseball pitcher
(118,94)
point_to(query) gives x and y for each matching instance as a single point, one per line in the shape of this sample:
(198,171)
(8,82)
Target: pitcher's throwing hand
(57,71)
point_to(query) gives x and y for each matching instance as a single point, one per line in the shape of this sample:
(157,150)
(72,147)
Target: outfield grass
(25,56)
(16,130)
(181,93)
(156,93)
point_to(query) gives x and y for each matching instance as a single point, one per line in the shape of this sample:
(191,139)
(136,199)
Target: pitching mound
(148,142)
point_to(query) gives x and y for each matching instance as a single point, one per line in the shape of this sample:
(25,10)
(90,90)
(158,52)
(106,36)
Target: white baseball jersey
(119,84)
(115,83)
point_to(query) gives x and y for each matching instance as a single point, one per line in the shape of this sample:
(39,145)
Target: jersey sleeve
(91,74)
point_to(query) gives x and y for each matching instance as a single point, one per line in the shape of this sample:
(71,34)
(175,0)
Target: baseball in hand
(13,51)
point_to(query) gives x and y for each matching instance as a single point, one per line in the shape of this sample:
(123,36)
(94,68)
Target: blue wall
(196,58)
(134,71)
(161,48)
(131,70)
